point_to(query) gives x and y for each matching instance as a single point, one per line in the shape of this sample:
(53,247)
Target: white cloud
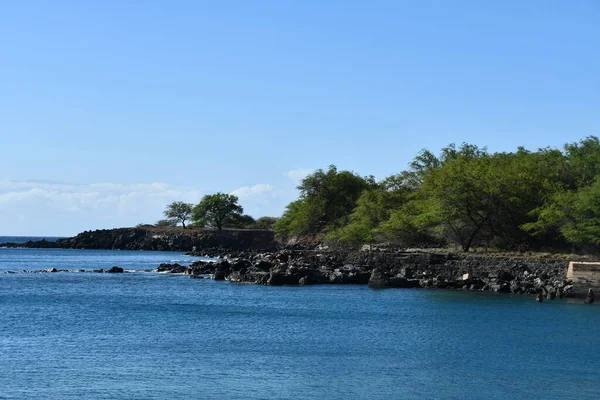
(258,200)
(30,207)
(297,175)
(248,191)
(65,209)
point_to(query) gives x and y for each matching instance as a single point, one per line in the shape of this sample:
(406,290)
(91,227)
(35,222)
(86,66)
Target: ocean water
(25,239)
(156,336)
(16,260)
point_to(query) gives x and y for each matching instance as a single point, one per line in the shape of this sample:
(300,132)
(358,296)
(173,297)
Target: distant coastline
(25,239)
(154,238)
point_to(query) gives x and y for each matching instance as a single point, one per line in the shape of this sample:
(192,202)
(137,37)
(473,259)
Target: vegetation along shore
(469,204)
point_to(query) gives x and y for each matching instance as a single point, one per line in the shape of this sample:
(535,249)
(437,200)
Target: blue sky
(109,110)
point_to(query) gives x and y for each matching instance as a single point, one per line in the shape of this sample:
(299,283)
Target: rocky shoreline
(255,257)
(388,270)
(378,270)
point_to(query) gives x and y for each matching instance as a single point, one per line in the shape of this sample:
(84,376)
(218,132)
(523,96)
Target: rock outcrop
(205,241)
(391,270)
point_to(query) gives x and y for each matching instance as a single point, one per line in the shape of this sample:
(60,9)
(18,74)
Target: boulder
(201,267)
(171,268)
(568,291)
(310,276)
(114,270)
(51,270)
(401,282)
(350,275)
(220,271)
(240,264)
(406,272)
(515,287)
(283,256)
(379,279)
(500,287)
(264,265)
(280,278)
(506,276)
(235,277)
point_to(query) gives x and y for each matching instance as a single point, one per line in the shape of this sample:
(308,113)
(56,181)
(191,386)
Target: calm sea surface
(144,335)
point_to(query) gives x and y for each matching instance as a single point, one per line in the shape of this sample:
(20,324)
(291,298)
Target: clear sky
(109,110)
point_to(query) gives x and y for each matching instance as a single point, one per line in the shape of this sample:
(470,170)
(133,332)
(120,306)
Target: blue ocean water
(159,336)
(71,259)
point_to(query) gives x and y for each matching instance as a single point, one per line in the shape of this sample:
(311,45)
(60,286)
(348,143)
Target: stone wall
(585,275)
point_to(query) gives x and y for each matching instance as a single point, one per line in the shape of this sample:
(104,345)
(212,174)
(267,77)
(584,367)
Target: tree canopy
(217,210)
(465,196)
(179,211)
(326,200)
(265,223)
(239,221)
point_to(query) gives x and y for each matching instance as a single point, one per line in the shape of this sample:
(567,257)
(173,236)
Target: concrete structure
(585,275)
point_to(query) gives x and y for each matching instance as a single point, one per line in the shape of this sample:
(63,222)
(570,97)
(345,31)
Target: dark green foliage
(179,211)
(579,215)
(459,199)
(265,223)
(215,210)
(410,226)
(239,221)
(466,196)
(574,214)
(583,162)
(571,207)
(326,200)
(294,220)
(373,207)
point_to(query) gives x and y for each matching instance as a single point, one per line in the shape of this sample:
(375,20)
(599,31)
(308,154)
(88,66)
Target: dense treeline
(465,196)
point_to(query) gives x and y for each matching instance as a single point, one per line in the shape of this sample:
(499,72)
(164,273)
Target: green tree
(583,162)
(373,207)
(216,209)
(239,221)
(326,200)
(578,215)
(458,203)
(513,200)
(519,183)
(265,223)
(567,212)
(295,219)
(573,214)
(179,211)
(472,196)
(454,198)
(410,225)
